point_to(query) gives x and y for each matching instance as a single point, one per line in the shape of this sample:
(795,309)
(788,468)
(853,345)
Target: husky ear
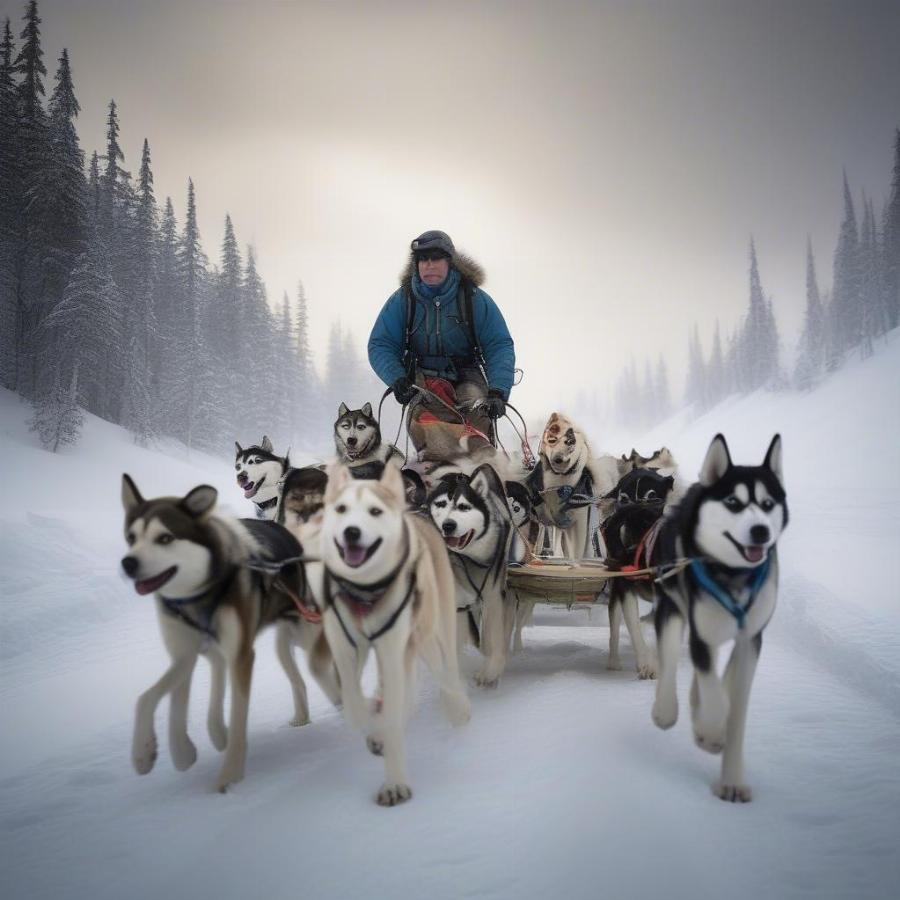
(392,480)
(485,481)
(200,500)
(717,462)
(131,496)
(266,444)
(367,410)
(773,458)
(238,450)
(342,410)
(338,478)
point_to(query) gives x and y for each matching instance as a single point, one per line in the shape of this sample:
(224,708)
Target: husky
(629,534)
(302,496)
(387,586)
(564,483)
(357,439)
(210,602)
(472,514)
(659,459)
(728,524)
(259,475)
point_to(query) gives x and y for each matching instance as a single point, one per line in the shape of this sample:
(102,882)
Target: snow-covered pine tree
(663,394)
(811,349)
(286,366)
(846,283)
(167,304)
(226,310)
(58,419)
(261,373)
(10,189)
(308,387)
(756,357)
(715,372)
(695,389)
(890,244)
(871,297)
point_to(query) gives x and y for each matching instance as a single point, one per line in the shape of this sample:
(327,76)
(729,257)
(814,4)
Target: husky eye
(129,538)
(375,511)
(346,426)
(767,505)
(624,499)
(165,539)
(570,442)
(463,507)
(440,504)
(733,503)
(341,508)
(361,426)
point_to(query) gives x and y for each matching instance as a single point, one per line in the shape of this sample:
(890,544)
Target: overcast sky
(606,162)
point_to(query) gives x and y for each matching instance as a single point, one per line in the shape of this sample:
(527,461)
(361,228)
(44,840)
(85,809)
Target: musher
(442,332)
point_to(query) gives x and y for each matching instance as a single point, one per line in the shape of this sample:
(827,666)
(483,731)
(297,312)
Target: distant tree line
(864,304)
(107,305)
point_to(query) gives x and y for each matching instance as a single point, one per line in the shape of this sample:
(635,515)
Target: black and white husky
(260,472)
(473,516)
(357,439)
(210,601)
(728,525)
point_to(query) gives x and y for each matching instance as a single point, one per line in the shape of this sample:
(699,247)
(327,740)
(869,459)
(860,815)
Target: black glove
(404,390)
(495,405)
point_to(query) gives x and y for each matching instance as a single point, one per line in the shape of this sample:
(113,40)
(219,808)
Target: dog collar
(207,603)
(755,581)
(268,504)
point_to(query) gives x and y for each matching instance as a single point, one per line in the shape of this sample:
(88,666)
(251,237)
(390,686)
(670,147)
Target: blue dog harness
(755,582)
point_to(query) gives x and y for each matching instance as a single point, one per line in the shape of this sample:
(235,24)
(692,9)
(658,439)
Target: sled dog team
(372,555)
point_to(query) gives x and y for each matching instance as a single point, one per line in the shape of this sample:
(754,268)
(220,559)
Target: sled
(561,581)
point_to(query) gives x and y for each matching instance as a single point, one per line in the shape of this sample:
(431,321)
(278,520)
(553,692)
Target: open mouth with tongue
(356,554)
(149,585)
(251,487)
(753,553)
(457,542)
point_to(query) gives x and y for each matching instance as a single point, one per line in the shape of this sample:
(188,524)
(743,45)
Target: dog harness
(205,603)
(755,581)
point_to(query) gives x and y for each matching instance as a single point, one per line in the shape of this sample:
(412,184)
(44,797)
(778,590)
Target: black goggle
(430,255)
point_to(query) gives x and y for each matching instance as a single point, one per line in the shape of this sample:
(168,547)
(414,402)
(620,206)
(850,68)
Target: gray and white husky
(260,472)
(357,439)
(210,602)
(387,586)
(728,524)
(566,476)
(473,516)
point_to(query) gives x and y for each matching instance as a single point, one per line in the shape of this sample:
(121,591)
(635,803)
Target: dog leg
(738,680)
(350,663)
(284,640)
(441,662)
(615,622)
(646,663)
(669,633)
(321,664)
(215,715)
(144,747)
(237,648)
(492,640)
(391,651)
(181,747)
(709,702)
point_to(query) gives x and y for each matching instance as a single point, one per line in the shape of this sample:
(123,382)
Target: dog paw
(456,707)
(733,793)
(299,721)
(218,734)
(184,753)
(393,794)
(144,753)
(664,715)
(710,739)
(646,670)
(227,780)
(486,680)
(614,664)
(375,745)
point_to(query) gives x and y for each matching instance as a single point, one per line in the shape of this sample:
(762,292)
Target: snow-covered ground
(560,786)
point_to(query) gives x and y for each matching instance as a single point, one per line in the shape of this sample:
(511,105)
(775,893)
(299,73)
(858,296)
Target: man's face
(433,267)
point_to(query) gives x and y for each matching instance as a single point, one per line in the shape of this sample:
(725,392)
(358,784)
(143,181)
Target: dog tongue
(149,585)
(354,555)
(754,554)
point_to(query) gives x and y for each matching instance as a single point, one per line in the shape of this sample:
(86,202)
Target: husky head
(641,487)
(741,510)
(469,511)
(563,445)
(259,470)
(356,433)
(363,524)
(302,496)
(172,551)
(659,459)
(519,499)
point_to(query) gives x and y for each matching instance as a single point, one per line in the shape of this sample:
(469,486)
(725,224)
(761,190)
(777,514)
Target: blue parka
(438,337)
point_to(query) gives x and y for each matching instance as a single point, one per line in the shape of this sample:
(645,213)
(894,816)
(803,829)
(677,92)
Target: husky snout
(759,534)
(449,526)
(352,534)
(130,565)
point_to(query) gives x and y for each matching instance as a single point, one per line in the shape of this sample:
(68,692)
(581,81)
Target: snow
(560,786)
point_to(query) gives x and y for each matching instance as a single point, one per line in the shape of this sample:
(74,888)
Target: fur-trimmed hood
(466,266)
